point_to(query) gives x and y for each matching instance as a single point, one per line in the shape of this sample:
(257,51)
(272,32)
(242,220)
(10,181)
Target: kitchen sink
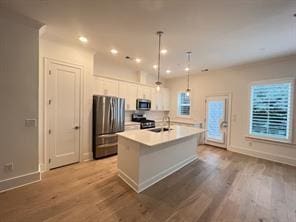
(158,130)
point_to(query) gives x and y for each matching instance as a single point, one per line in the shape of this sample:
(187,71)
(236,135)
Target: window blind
(270,110)
(184,104)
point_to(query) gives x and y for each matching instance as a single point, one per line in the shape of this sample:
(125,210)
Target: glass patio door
(216,121)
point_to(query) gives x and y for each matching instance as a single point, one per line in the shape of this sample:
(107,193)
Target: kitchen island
(145,157)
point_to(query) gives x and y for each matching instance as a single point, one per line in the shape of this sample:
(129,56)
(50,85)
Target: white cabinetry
(128,91)
(107,87)
(161,100)
(97,86)
(144,92)
(131,91)
(165,99)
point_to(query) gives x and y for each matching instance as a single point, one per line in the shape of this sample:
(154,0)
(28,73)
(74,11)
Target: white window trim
(178,113)
(266,82)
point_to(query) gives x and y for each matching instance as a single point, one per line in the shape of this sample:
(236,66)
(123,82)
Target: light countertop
(130,123)
(185,121)
(149,138)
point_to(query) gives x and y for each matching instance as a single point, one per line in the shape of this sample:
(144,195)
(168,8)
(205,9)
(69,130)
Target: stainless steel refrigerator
(108,119)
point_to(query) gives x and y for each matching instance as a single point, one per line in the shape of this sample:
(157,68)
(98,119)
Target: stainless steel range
(144,123)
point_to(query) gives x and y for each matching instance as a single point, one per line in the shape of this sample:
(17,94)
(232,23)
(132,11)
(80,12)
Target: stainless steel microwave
(143,104)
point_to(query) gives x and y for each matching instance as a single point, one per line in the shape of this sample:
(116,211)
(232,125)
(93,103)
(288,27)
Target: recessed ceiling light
(154,66)
(138,60)
(83,39)
(168,71)
(186,69)
(163,51)
(114,51)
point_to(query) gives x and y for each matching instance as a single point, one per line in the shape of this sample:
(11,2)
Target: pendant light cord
(159,33)
(188,66)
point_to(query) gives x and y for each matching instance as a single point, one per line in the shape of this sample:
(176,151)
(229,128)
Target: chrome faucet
(168,121)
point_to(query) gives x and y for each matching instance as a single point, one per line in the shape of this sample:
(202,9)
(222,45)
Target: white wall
(73,55)
(236,81)
(108,66)
(19,99)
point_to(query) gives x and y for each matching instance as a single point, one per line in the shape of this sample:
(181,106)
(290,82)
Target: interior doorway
(63,95)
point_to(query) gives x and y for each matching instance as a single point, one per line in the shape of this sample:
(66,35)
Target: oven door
(143,104)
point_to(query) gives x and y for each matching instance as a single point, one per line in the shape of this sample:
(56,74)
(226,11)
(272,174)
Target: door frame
(47,61)
(229,109)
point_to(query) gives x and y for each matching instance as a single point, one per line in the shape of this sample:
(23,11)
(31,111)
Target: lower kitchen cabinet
(131,127)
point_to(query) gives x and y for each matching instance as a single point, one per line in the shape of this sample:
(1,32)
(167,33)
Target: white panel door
(216,121)
(63,114)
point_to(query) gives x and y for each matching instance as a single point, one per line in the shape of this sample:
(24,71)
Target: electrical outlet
(8,167)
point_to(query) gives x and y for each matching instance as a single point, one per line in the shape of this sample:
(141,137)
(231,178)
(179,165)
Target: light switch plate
(30,123)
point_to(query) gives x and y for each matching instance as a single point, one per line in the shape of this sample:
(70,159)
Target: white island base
(141,165)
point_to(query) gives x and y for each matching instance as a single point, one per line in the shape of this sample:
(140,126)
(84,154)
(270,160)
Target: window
(271,110)
(183,104)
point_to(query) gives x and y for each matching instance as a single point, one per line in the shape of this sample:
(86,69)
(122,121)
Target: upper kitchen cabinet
(161,100)
(154,102)
(166,99)
(144,92)
(97,86)
(106,87)
(129,91)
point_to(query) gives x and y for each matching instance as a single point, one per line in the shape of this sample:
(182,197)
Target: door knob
(224,124)
(76,127)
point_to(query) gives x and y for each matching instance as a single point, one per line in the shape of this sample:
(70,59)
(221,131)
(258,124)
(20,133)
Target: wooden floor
(220,186)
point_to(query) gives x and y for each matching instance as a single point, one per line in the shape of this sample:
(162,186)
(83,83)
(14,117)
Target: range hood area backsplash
(153,115)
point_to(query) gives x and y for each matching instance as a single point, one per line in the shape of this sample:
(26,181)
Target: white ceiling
(219,33)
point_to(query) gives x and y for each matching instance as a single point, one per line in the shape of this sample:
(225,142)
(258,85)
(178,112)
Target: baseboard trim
(128,180)
(42,168)
(19,181)
(149,182)
(263,155)
(87,156)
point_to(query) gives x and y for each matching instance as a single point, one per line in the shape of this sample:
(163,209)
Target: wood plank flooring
(220,186)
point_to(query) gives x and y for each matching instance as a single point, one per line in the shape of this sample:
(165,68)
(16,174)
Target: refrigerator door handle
(115,108)
(112,115)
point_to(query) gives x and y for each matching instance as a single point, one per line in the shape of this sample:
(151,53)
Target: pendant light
(187,69)
(158,83)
